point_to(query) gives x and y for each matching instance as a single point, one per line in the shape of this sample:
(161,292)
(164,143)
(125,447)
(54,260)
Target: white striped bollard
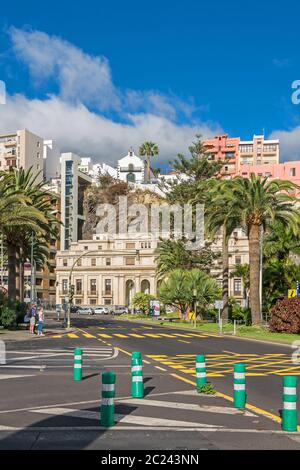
(239,386)
(200,371)
(77,369)
(137,383)
(289,414)
(107,416)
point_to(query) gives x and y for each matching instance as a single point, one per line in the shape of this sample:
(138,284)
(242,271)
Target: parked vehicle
(119,310)
(74,309)
(101,310)
(85,311)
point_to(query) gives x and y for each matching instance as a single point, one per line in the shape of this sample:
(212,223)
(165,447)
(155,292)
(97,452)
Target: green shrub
(21,309)
(8,317)
(207,388)
(285,316)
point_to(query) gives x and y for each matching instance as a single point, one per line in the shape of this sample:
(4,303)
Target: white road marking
(187,406)
(5,377)
(130,419)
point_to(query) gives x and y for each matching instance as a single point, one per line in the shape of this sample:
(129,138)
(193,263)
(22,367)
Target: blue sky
(163,69)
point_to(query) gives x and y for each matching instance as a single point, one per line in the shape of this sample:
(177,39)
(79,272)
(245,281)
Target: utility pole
(261,269)
(2,261)
(32,270)
(70,289)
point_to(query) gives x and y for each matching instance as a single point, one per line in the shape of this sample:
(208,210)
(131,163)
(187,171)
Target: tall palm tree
(221,218)
(34,212)
(256,202)
(148,149)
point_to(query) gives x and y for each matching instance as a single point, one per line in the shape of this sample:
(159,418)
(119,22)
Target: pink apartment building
(286,171)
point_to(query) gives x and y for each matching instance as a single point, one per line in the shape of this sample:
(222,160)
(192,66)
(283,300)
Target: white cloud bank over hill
(75,116)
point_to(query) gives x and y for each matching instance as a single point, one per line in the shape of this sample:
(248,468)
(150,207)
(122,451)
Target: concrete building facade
(110,271)
(22,149)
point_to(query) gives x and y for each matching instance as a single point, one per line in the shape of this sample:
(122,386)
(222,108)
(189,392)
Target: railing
(93,293)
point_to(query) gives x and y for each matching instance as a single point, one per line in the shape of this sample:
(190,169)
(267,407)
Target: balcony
(63,292)
(93,293)
(132,168)
(10,143)
(107,293)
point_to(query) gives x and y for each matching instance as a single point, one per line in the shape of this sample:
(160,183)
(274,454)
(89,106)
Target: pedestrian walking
(32,321)
(41,321)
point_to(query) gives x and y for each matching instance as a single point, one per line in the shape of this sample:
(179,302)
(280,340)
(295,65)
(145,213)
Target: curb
(246,338)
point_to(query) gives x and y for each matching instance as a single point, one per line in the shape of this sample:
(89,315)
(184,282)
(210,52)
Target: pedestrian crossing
(141,335)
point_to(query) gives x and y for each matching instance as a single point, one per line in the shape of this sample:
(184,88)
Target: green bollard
(107,413)
(77,369)
(289,415)
(239,386)
(137,383)
(200,371)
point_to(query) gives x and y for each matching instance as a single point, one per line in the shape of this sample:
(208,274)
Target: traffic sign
(219,304)
(292,293)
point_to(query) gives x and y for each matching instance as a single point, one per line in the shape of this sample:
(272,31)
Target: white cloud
(289,143)
(85,83)
(80,76)
(75,128)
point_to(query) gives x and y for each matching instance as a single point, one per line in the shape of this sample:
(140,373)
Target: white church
(131,168)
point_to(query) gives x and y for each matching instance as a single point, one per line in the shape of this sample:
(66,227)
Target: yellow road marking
(135,335)
(160,368)
(165,335)
(151,335)
(104,335)
(88,335)
(57,336)
(123,351)
(72,335)
(119,335)
(182,341)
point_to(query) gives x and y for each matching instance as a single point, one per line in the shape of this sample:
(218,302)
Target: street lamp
(70,284)
(195,306)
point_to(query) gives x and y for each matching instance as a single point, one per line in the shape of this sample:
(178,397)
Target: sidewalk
(52,326)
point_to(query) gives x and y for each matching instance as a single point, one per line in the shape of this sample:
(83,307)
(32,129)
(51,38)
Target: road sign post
(219,307)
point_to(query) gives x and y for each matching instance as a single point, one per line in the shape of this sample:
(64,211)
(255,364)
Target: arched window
(145,286)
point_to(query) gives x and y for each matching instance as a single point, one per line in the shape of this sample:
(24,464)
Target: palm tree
(257,202)
(34,212)
(148,149)
(179,287)
(221,218)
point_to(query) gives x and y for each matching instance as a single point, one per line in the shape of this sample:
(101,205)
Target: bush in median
(285,316)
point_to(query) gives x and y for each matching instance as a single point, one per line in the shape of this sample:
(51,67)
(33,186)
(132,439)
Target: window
(93,261)
(78,286)
(246,148)
(292,171)
(130,261)
(38,282)
(52,282)
(38,143)
(93,301)
(237,287)
(65,262)
(107,302)
(38,155)
(130,246)
(93,286)
(99,247)
(107,286)
(65,286)
(238,259)
(78,301)
(86,247)
(108,261)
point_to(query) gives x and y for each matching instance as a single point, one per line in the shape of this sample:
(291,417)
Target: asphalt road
(41,407)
